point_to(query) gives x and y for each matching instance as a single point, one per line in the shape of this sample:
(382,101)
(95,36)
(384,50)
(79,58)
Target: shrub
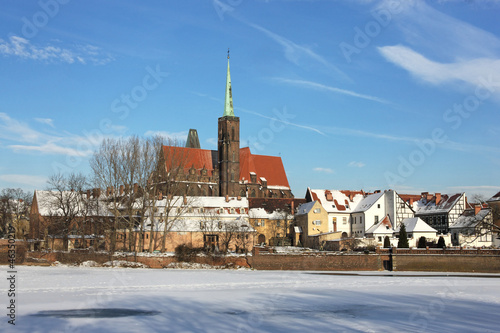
(422,243)
(185,252)
(387,242)
(403,238)
(441,243)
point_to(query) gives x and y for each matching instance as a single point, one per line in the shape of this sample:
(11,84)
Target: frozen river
(78,299)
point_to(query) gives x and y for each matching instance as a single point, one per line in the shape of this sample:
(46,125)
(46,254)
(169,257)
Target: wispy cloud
(294,52)
(84,54)
(474,72)
(355,164)
(176,136)
(442,49)
(46,121)
(324,170)
(319,86)
(21,137)
(30,180)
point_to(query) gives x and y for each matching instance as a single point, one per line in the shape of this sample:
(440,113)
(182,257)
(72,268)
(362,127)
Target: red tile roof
(269,167)
(190,157)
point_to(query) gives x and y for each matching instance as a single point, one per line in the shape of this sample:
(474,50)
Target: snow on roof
(261,213)
(368,202)
(496,197)
(47,203)
(205,202)
(470,221)
(383,227)
(444,205)
(416,224)
(194,225)
(335,201)
(305,208)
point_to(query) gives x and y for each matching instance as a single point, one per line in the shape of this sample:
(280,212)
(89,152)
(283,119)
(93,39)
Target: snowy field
(78,299)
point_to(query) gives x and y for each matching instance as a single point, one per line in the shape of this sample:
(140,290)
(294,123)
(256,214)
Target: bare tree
(14,206)
(63,201)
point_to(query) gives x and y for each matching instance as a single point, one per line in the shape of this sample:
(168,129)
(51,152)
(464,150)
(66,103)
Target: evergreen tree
(403,238)
(422,243)
(387,242)
(441,244)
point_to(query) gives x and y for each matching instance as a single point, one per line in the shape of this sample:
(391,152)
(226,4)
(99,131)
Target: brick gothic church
(229,170)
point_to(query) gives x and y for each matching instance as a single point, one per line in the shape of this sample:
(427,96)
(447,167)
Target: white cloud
(175,136)
(21,137)
(52,149)
(319,86)
(294,52)
(356,164)
(46,121)
(212,142)
(30,180)
(324,170)
(83,54)
(474,72)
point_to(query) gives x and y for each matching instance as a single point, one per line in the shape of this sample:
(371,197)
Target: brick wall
(447,263)
(317,262)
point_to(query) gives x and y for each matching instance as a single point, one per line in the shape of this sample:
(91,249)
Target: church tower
(229,145)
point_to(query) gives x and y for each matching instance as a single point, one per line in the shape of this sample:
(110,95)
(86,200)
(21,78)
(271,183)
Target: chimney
(239,197)
(227,198)
(160,196)
(122,188)
(477,209)
(411,202)
(351,197)
(108,191)
(185,201)
(112,190)
(292,207)
(88,194)
(136,188)
(438,198)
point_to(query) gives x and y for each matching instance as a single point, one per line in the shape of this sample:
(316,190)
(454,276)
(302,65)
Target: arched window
(232,132)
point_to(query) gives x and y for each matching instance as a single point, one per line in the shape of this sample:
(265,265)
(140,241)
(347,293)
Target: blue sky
(351,94)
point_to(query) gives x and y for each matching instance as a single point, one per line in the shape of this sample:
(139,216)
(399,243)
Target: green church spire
(228,106)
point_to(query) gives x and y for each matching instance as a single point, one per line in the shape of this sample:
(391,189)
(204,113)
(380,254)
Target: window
(376,219)
(278,223)
(316,222)
(317,211)
(379,238)
(378,206)
(263,223)
(344,220)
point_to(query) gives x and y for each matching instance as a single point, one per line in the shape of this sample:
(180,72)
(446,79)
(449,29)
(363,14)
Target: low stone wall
(317,262)
(18,246)
(447,263)
(151,261)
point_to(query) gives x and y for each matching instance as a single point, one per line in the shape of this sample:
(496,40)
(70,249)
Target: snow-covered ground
(98,299)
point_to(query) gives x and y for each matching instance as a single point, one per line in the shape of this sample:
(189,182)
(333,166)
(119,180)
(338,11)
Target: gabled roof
(190,157)
(305,208)
(444,205)
(496,197)
(416,224)
(470,221)
(383,227)
(334,201)
(368,202)
(267,167)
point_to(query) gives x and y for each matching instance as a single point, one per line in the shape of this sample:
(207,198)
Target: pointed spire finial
(228,105)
